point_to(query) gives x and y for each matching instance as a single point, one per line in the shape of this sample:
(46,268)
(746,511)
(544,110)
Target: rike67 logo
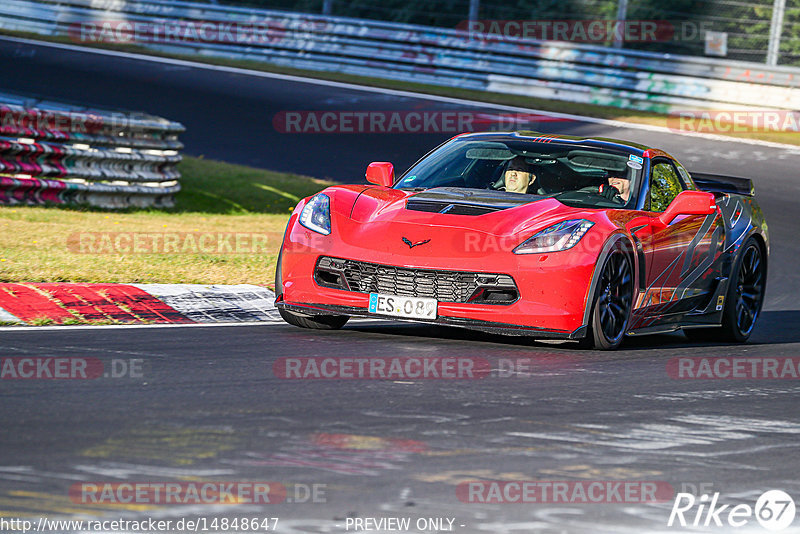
(774,510)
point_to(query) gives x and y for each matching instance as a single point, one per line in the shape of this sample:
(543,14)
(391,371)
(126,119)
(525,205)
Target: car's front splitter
(472,324)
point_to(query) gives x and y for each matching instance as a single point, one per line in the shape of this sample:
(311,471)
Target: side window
(664,186)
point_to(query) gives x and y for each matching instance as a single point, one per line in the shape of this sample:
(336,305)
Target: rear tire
(612,302)
(743,300)
(316,322)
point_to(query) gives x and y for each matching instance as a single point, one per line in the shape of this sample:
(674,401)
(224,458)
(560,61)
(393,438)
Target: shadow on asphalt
(461,334)
(774,327)
(777,327)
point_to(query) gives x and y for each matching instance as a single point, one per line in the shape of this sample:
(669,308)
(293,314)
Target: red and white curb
(135,303)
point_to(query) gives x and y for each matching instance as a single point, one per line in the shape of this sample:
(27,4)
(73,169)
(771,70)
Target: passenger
(623,187)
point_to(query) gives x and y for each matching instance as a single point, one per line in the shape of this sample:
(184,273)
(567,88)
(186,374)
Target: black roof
(566,141)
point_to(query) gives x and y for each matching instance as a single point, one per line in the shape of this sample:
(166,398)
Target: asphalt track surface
(209,405)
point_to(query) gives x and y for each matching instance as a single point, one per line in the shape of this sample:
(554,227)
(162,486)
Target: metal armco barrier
(52,153)
(544,69)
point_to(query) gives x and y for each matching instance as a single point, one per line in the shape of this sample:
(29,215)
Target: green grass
(586,110)
(214,187)
(39,244)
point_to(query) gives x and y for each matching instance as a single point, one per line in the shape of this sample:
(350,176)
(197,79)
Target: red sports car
(529,234)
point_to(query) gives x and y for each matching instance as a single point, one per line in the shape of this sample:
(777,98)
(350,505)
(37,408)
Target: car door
(679,255)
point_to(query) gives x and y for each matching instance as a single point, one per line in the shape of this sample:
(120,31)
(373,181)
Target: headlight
(316,215)
(560,236)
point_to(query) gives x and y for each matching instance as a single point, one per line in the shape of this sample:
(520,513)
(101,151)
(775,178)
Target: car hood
(383,217)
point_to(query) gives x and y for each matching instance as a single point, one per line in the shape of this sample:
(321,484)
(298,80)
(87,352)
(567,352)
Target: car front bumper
(553,287)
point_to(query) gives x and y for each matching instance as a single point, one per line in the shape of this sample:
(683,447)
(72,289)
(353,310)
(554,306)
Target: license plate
(414,307)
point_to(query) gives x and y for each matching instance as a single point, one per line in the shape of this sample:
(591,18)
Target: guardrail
(543,69)
(52,153)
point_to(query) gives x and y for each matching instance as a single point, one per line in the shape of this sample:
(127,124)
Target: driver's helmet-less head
(519,164)
(518,176)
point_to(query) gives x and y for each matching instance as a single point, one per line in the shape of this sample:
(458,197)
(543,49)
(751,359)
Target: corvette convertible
(528,234)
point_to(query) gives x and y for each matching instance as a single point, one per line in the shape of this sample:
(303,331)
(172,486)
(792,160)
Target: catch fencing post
(622,15)
(776,26)
(474,6)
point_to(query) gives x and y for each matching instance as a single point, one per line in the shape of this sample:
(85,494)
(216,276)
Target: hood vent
(438,206)
(462,201)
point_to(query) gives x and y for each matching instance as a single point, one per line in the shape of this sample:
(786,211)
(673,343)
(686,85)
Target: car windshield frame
(570,173)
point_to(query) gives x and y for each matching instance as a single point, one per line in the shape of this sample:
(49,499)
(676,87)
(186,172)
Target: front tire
(743,300)
(611,306)
(316,322)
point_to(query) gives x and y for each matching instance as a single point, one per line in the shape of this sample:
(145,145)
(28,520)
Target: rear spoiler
(716,183)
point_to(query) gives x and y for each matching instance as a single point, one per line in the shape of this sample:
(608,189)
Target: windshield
(575,176)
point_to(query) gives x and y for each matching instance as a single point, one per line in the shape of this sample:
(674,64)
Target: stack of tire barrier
(56,154)
(559,70)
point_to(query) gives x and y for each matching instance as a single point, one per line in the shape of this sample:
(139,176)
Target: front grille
(444,286)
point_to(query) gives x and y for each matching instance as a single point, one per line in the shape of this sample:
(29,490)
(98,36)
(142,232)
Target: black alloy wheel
(612,304)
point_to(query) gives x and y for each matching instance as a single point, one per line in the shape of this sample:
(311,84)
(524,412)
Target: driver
(621,188)
(518,176)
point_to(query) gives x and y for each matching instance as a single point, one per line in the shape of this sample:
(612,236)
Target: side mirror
(689,203)
(381,173)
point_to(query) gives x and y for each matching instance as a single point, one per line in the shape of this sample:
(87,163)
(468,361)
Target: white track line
(396,92)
